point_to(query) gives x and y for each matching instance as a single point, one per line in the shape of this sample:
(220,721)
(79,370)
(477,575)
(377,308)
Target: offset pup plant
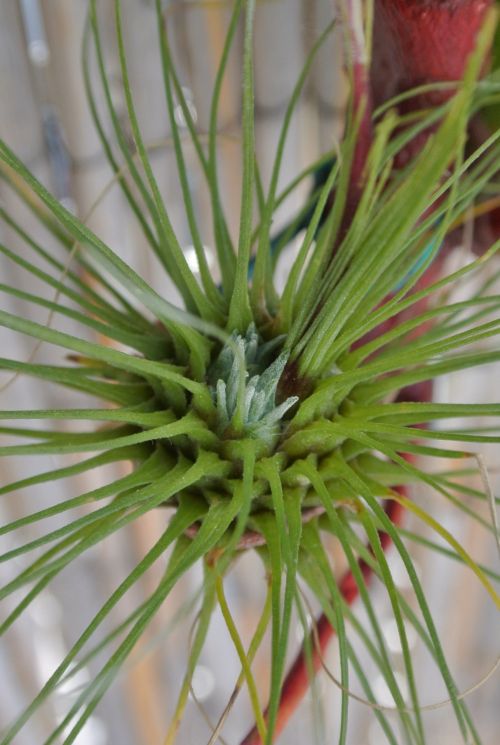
(266,421)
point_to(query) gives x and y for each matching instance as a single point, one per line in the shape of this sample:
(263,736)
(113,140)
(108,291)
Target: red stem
(298,679)
(413,40)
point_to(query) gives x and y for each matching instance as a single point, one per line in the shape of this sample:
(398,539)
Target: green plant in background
(268,420)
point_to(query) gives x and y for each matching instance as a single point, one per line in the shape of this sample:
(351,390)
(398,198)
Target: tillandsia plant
(276,422)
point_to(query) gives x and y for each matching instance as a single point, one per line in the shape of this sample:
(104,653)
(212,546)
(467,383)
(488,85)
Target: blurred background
(44,117)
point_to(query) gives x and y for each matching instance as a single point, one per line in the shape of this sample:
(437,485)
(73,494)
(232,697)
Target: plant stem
(298,679)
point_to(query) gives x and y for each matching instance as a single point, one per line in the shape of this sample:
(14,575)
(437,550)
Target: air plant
(265,421)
